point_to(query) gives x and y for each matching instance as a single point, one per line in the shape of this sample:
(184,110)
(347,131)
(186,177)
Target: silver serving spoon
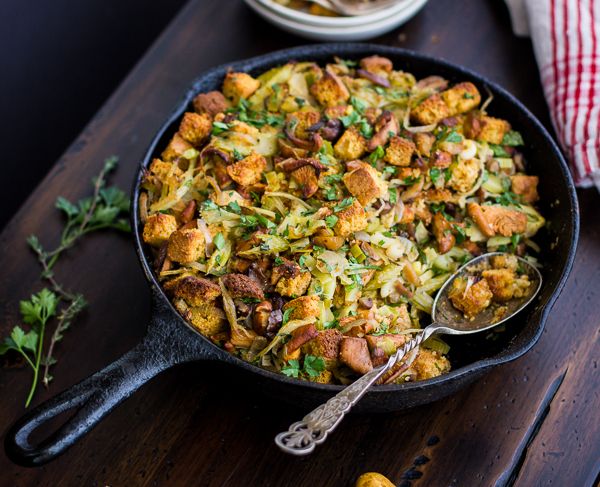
(355,7)
(302,437)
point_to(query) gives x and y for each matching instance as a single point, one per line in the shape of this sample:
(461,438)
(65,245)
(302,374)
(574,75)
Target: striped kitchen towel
(566,40)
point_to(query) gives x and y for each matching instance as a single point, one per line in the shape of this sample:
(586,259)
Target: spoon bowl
(303,436)
(444,313)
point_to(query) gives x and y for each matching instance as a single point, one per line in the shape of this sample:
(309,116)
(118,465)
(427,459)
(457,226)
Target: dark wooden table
(532,422)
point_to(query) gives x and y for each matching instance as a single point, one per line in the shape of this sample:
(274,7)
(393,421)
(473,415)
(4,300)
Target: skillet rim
(354,50)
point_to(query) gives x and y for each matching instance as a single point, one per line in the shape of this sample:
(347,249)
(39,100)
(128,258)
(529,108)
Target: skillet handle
(167,343)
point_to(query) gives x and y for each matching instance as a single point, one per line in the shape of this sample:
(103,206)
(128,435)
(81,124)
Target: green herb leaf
(377,154)
(512,138)
(291,369)
(286,315)
(359,105)
(499,151)
(345,203)
(434,174)
(234,207)
(331,220)
(219,127)
(454,137)
(313,366)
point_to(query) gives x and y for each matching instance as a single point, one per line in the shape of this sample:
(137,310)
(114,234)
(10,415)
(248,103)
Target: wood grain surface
(532,422)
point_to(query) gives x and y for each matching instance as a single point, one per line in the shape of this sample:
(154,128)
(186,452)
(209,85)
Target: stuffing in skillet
(303,219)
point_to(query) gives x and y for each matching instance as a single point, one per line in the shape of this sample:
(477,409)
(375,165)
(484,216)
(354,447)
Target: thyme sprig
(107,207)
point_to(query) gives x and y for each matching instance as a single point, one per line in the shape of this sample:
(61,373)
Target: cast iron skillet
(170,340)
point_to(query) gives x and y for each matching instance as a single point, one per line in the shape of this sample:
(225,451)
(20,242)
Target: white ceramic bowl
(339,33)
(323,21)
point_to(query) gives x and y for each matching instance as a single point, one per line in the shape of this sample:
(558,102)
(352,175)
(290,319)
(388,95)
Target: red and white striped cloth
(566,40)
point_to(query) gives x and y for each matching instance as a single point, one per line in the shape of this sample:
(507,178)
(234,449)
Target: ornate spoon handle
(302,436)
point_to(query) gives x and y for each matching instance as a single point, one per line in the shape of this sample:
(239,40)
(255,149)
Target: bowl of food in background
(309,20)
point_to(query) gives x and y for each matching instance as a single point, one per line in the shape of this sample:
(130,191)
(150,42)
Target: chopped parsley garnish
(365,129)
(237,155)
(512,138)
(454,137)
(234,207)
(331,194)
(391,170)
(219,127)
(434,174)
(460,234)
(332,178)
(468,96)
(393,192)
(359,105)
(278,261)
(265,222)
(377,154)
(313,366)
(515,238)
(345,203)
(286,315)
(331,220)
(410,180)
(351,119)
(209,205)
(499,151)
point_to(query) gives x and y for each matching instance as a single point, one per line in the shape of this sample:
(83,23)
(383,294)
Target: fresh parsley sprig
(106,208)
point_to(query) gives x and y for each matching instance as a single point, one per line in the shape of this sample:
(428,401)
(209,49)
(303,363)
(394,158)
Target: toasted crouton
(241,286)
(486,129)
(248,171)
(207,318)
(186,245)
(505,285)
(303,307)
(324,377)
(350,220)
(326,345)
(461,98)
(239,85)
(158,229)
(473,300)
(509,262)
(351,145)
(330,91)
(211,103)
(163,171)
(429,111)
(177,146)
(306,178)
(400,151)
(303,119)
(196,291)
(493,219)
(525,186)
(376,64)
(195,128)
(464,175)
(424,143)
(429,364)
(294,286)
(354,353)
(364,182)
